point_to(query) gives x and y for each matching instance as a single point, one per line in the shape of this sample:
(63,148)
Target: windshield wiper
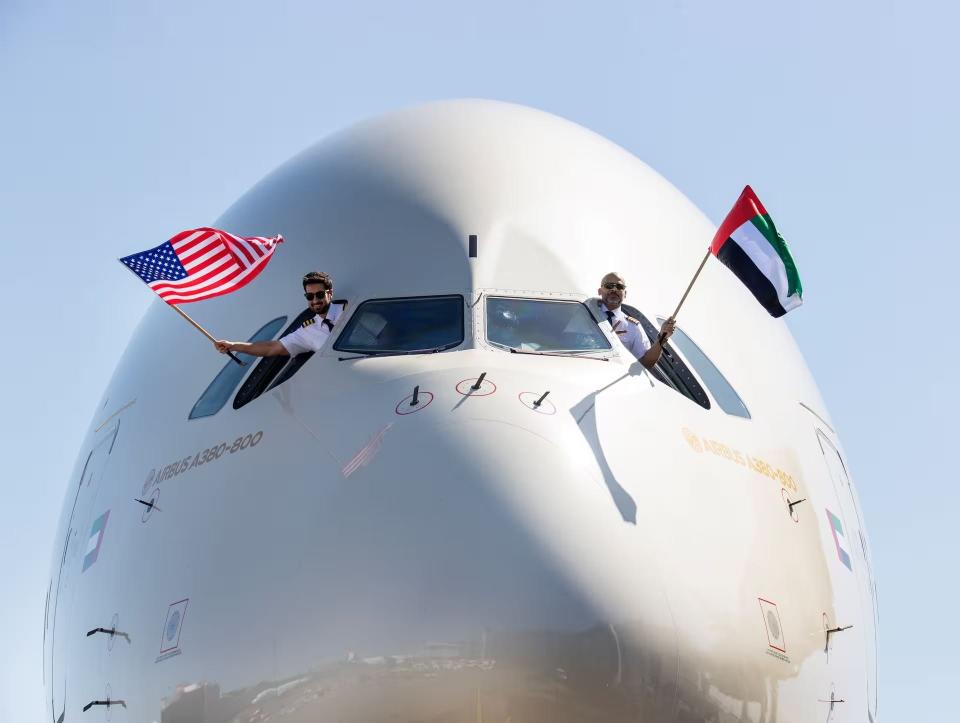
(365,354)
(569,355)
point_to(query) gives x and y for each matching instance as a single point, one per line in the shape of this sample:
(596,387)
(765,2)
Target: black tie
(328,323)
(610,317)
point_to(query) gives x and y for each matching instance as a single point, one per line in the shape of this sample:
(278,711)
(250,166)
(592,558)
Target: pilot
(311,336)
(612,291)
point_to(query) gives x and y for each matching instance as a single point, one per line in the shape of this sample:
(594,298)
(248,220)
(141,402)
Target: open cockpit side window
(671,370)
(719,387)
(407,325)
(274,370)
(226,381)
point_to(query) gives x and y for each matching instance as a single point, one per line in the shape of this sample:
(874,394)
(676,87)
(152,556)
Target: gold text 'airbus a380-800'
(472,504)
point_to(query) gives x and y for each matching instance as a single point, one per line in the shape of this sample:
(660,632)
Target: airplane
(472,504)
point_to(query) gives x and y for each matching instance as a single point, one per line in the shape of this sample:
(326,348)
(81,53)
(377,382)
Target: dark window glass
(291,367)
(222,386)
(382,326)
(722,390)
(543,325)
(670,369)
(279,368)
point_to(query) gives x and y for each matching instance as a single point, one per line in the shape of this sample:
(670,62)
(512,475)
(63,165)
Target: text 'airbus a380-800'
(472,503)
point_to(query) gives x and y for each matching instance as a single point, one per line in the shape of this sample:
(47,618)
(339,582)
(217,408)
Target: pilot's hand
(667,329)
(222,346)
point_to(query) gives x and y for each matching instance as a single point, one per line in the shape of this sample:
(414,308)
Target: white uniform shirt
(627,329)
(313,334)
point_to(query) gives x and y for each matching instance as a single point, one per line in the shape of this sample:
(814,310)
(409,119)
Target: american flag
(201,263)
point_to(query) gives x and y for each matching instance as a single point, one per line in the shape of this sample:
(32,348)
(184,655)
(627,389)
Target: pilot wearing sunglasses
(612,291)
(311,336)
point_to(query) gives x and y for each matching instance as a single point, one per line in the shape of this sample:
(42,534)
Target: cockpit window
(722,390)
(670,369)
(222,386)
(274,370)
(542,325)
(404,325)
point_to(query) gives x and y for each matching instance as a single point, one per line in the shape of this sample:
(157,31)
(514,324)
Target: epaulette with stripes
(308,322)
(636,322)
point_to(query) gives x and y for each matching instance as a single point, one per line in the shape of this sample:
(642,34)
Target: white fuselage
(331,552)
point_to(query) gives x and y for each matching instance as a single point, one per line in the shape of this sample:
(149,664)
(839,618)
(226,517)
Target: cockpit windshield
(542,325)
(417,324)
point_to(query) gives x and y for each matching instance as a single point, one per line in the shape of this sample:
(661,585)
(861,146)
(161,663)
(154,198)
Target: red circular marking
(404,406)
(467,391)
(528,398)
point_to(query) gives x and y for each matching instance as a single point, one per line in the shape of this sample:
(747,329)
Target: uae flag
(748,244)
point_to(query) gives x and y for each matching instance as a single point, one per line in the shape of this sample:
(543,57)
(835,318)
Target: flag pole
(185,316)
(689,286)
(203,331)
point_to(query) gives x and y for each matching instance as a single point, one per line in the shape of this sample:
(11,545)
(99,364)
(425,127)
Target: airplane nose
(462,572)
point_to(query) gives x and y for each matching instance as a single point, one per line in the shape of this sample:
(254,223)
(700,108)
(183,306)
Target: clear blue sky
(123,122)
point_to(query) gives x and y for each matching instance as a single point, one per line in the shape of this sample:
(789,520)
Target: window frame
(336,346)
(485,297)
(272,371)
(261,377)
(231,366)
(671,369)
(719,373)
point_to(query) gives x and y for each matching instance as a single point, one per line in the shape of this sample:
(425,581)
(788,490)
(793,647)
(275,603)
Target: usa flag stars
(156,264)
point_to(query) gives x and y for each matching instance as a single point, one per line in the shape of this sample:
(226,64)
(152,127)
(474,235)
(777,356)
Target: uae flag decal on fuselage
(748,244)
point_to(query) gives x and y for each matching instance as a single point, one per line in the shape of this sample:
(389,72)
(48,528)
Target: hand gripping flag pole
(204,332)
(200,264)
(749,244)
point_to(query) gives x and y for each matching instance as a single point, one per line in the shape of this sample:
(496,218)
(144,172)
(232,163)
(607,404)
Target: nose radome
(475,564)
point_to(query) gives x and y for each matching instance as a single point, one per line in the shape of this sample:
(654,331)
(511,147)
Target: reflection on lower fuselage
(523,676)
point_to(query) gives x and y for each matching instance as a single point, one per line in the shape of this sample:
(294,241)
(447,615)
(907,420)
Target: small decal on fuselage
(95,540)
(776,645)
(839,539)
(172,627)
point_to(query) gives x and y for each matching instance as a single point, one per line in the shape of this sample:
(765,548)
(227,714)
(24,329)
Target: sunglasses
(320,294)
(612,285)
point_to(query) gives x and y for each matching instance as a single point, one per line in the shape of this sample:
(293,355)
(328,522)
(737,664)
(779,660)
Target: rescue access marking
(777,647)
(172,627)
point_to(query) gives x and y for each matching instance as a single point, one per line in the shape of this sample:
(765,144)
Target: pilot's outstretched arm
(271,347)
(310,337)
(652,355)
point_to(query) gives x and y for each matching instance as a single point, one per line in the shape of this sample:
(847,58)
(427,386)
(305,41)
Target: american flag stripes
(201,263)
(366,454)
